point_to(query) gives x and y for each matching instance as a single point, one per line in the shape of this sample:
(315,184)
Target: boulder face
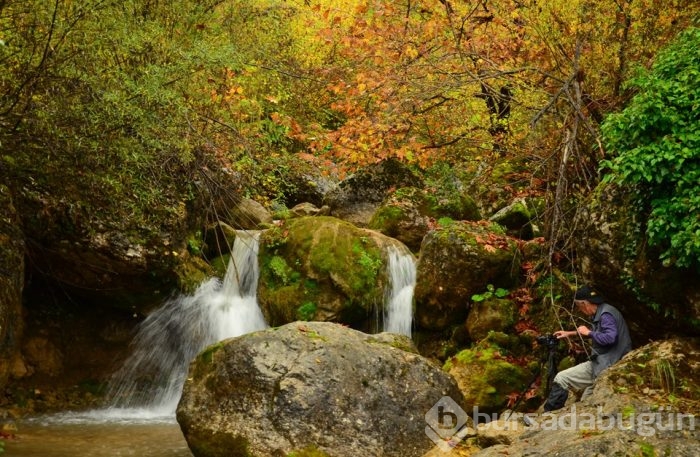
(616,258)
(248,215)
(311,385)
(456,262)
(492,314)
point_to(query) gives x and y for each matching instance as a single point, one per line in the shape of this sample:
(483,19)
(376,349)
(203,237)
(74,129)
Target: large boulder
(644,405)
(322,268)
(615,256)
(11,282)
(311,385)
(358,196)
(456,262)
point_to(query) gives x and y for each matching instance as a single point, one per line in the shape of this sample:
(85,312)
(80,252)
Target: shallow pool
(71,435)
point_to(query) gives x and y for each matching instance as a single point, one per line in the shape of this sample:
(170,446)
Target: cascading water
(398,307)
(149,384)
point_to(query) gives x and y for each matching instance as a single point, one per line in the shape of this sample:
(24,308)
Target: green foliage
(194,243)
(491,291)
(370,264)
(307,311)
(656,140)
(664,375)
(445,221)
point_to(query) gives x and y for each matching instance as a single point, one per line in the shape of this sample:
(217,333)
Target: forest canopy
(138,98)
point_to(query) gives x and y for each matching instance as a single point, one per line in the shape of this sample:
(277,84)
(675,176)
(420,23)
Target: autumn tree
(485,84)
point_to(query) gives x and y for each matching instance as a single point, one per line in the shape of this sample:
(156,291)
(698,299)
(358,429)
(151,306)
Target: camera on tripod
(549,341)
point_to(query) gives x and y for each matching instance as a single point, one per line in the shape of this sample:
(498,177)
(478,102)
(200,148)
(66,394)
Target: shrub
(655,141)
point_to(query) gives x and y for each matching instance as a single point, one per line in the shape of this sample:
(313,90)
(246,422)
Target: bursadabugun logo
(445,421)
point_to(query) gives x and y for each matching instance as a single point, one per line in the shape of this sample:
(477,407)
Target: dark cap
(588,294)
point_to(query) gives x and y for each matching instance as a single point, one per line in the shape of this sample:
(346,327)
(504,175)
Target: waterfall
(151,380)
(398,307)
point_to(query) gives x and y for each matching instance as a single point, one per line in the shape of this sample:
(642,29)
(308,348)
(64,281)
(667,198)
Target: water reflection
(74,436)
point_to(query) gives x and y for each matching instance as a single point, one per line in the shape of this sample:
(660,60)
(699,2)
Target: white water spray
(150,383)
(398,307)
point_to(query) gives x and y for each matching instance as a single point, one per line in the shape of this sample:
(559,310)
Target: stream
(69,435)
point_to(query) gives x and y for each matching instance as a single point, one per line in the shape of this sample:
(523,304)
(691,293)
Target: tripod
(551,358)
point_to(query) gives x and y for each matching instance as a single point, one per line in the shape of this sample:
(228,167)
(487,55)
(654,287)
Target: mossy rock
(192,272)
(456,262)
(310,451)
(516,219)
(218,444)
(218,239)
(492,314)
(486,377)
(337,267)
(405,215)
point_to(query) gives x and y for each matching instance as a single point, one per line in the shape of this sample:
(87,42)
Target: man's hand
(583,330)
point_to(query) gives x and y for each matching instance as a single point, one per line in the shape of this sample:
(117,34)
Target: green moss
(323,260)
(311,334)
(280,270)
(195,243)
(398,343)
(307,311)
(309,451)
(386,219)
(191,272)
(489,378)
(647,450)
(445,222)
(220,264)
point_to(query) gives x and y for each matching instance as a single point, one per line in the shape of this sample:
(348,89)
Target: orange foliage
(420,80)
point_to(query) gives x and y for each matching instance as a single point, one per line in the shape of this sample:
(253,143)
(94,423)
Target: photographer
(610,339)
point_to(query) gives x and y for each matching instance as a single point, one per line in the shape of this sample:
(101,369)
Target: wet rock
(311,384)
(218,239)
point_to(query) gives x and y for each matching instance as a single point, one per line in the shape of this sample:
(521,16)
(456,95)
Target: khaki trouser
(578,378)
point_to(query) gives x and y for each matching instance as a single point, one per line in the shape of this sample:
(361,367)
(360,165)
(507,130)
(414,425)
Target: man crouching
(610,339)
